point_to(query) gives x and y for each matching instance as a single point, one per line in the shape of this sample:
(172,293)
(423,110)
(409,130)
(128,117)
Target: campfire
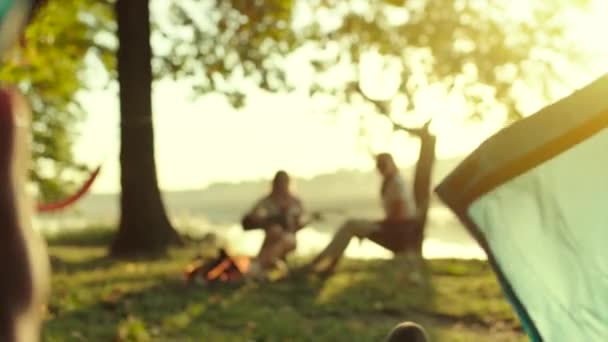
(224,268)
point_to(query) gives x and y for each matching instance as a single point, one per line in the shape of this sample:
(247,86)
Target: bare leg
(268,252)
(287,245)
(328,259)
(275,252)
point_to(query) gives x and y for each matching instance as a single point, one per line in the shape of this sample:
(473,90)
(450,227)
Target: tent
(535,197)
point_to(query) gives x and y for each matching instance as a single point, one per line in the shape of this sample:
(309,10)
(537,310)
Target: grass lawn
(99,299)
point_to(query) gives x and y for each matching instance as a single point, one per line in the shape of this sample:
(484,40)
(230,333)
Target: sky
(204,140)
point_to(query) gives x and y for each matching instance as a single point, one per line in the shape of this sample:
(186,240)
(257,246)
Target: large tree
(68,37)
(237,40)
(482,52)
(144,225)
(52,71)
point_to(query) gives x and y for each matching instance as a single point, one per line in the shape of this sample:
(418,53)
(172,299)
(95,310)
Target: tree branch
(382,108)
(419,132)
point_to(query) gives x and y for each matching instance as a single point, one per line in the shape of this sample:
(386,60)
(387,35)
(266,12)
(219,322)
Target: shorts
(398,236)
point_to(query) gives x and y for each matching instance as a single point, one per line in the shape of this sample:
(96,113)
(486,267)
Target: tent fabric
(528,142)
(535,196)
(5,7)
(13,14)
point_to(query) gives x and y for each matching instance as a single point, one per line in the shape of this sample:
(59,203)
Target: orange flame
(228,269)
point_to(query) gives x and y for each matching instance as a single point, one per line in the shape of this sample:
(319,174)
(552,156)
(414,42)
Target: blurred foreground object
(407,332)
(25,284)
(24,287)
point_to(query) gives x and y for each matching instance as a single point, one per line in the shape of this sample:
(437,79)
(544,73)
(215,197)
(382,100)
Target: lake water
(445,237)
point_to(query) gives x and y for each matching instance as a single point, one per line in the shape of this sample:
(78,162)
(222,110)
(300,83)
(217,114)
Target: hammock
(64,203)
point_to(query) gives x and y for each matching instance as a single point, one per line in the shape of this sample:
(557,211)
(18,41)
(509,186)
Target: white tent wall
(535,197)
(548,231)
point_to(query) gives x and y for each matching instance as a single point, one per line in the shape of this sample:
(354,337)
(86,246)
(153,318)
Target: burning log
(223,269)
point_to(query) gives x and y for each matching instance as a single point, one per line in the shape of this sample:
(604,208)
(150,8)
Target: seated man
(401,229)
(280,215)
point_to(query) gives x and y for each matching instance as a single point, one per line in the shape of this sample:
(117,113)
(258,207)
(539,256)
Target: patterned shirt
(270,207)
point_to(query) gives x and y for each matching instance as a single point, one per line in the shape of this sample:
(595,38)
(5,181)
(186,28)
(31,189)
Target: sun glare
(223,144)
(588,28)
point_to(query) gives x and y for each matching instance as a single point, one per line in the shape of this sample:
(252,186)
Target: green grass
(91,236)
(98,299)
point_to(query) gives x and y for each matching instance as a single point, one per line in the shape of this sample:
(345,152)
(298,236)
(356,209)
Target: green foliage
(243,40)
(481,50)
(49,71)
(225,46)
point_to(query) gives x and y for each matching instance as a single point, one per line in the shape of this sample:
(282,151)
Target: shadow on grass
(380,293)
(295,309)
(94,263)
(361,302)
(94,242)
(86,237)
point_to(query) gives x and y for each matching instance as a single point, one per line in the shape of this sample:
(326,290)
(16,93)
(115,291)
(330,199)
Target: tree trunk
(422,183)
(144,226)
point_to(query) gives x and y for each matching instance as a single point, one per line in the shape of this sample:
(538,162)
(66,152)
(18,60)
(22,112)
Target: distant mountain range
(349,190)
